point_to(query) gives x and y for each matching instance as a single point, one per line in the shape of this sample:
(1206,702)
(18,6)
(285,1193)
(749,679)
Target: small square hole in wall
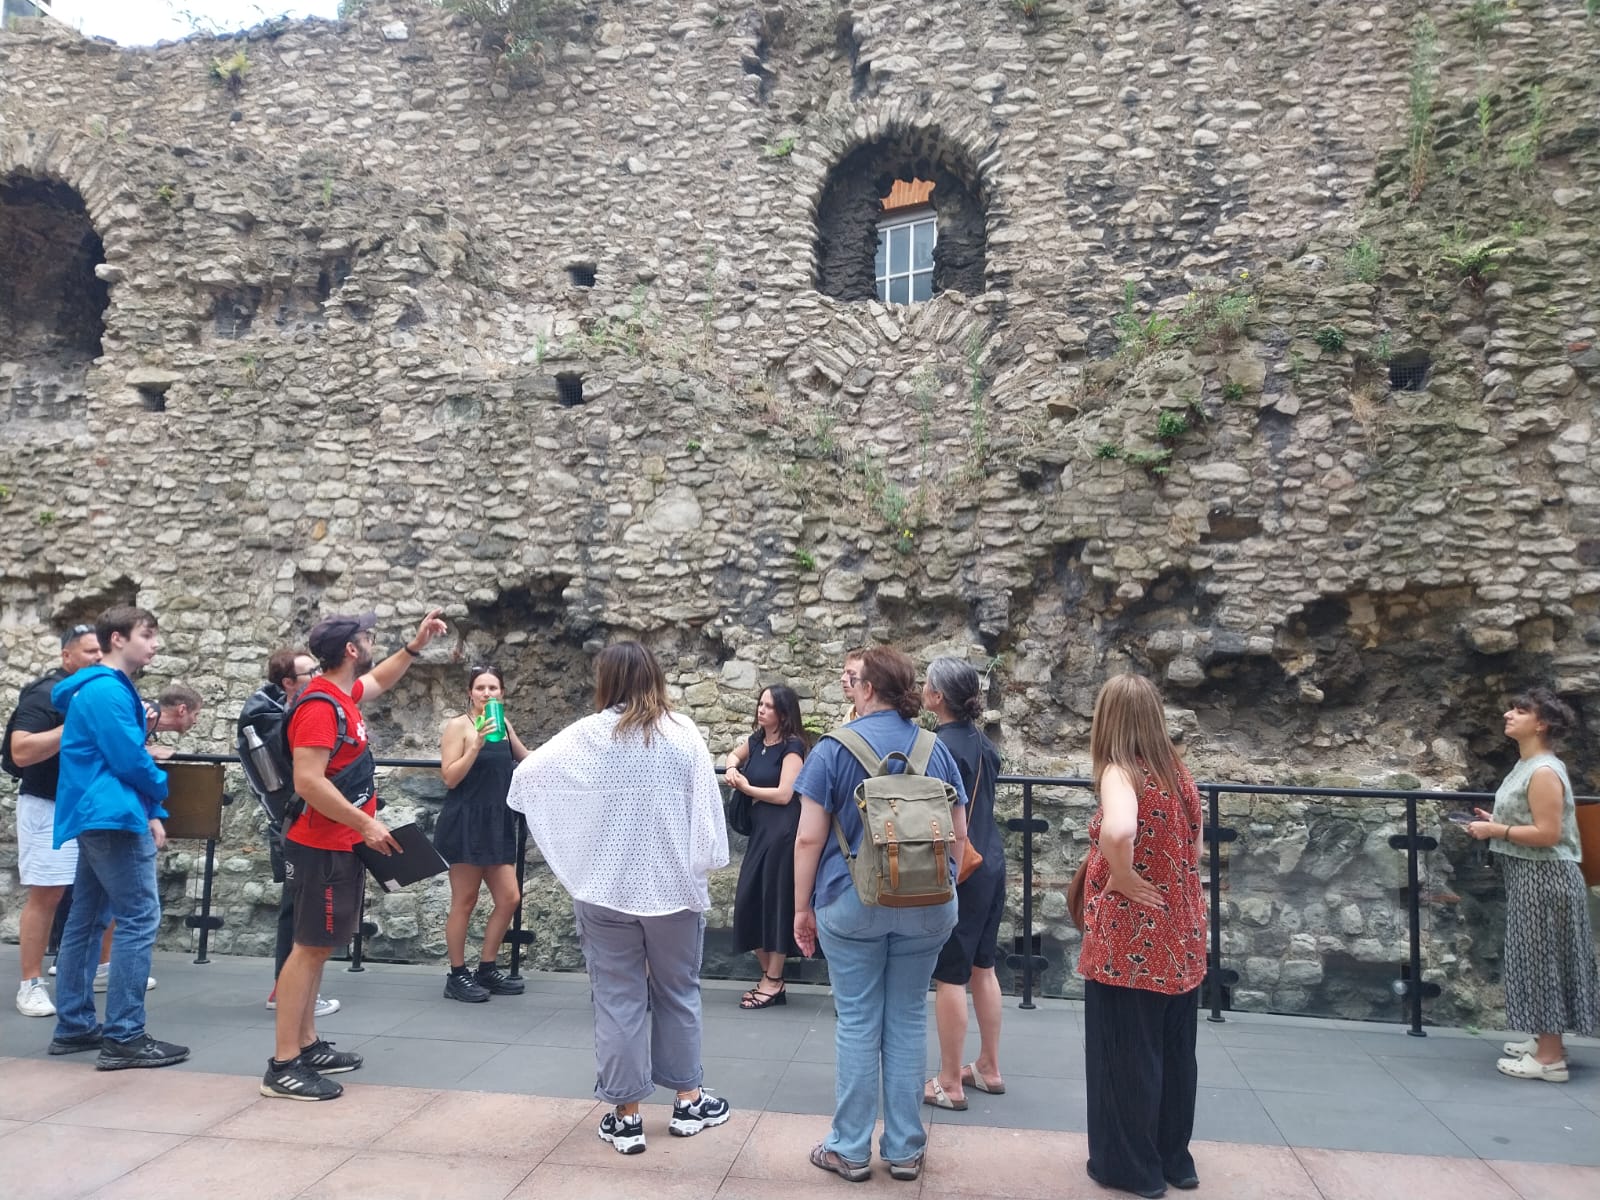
(569,389)
(1408,371)
(153,399)
(581,274)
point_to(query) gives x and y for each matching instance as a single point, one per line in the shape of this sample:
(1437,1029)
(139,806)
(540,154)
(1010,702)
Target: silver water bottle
(266,768)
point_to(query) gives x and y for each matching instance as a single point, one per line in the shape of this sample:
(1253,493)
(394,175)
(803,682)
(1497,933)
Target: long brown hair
(1130,731)
(627,674)
(893,677)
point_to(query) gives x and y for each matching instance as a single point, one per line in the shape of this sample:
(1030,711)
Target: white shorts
(39,863)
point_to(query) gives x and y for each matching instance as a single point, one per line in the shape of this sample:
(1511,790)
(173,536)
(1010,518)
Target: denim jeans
(116,880)
(880,962)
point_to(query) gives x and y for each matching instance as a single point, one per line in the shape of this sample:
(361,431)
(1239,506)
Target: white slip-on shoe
(1518,1049)
(1529,1067)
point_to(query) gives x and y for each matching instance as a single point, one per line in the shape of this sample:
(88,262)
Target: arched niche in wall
(899,188)
(52,303)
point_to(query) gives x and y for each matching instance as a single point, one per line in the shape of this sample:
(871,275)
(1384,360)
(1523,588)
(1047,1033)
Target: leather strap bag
(1588,817)
(971,860)
(1075,892)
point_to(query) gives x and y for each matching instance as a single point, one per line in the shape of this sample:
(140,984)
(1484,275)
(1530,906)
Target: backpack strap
(860,748)
(921,752)
(341,731)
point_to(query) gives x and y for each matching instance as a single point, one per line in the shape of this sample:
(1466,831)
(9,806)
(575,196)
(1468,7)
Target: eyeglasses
(850,677)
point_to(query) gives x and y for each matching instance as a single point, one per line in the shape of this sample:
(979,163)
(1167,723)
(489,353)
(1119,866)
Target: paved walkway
(494,1101)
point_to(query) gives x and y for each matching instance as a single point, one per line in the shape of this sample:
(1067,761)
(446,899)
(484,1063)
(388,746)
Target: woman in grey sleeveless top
(1551,979)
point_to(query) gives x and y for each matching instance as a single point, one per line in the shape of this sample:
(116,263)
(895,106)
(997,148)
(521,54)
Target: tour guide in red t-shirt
(333,775)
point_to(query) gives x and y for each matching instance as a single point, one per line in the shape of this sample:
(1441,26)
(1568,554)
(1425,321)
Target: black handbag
(741,812)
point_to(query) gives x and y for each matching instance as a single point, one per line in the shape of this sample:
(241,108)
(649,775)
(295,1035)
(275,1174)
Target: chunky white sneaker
(33,999)
(1529,1067)
(1518,1049)
(102,980)
(326,1008)
(626,1134)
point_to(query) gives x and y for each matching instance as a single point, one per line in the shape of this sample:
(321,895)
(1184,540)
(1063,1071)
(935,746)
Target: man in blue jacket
(109,797)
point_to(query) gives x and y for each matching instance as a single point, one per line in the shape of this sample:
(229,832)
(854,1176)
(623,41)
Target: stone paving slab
(1288,1107)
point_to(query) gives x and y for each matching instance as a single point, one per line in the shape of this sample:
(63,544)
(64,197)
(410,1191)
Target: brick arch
(857,163)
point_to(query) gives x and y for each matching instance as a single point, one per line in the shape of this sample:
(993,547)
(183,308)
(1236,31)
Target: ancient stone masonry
(1263,357)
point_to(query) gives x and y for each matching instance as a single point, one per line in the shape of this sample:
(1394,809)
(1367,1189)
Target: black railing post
(1027,897)
(515,934)
(361,929)
(1414,915)
(1214,847)
(205,922)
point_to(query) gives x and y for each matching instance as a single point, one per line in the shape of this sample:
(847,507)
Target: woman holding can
(477,834)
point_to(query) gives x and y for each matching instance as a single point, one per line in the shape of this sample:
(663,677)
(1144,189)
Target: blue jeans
(880,962)
(116,880)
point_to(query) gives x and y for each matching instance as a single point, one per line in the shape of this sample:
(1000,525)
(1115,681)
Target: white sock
(103,969)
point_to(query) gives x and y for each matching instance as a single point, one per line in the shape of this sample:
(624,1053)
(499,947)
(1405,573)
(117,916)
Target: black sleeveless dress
(475,827)
(763,905)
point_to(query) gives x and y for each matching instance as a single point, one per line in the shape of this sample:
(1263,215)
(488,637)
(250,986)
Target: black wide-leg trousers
(1141,1076)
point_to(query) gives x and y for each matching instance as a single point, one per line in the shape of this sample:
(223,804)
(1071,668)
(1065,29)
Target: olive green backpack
(904,861)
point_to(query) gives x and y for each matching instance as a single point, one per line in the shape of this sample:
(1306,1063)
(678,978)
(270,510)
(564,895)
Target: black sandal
(755,998)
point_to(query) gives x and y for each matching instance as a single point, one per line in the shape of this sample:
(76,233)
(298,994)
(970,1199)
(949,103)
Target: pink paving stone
(224,1169)
(364,1113)
(1026,1164)
(1549,1181)
(589,1183)
(53,1162)
(1233,1171)
(31,1089)
(1369,1175)
(160,1102)
(393,1175)
(779,1147)
(709,1152)
(525,1128)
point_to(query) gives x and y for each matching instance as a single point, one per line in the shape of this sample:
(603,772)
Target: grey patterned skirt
(1551,978)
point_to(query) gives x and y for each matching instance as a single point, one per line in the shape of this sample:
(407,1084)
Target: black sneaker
(78,1043)
(293,1080)
(689,1119)
(142,1051)
(626,1134)
(459,984)
(498,983)
(322,1058)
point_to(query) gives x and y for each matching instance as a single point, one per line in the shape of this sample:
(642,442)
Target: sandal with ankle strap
(755,998)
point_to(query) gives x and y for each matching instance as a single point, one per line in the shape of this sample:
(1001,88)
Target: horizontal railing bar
(1073,781)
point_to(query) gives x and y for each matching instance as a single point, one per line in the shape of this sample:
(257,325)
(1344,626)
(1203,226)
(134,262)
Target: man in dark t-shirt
(45,871)
(333,776)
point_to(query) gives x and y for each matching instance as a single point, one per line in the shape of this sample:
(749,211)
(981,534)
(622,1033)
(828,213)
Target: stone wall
(343,351)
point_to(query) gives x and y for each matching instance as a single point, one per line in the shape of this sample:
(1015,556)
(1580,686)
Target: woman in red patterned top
(1144,946)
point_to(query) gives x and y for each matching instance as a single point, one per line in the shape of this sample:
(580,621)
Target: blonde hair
(628,675)
(1130,731)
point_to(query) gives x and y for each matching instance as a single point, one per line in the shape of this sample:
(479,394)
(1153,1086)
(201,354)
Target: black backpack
(293,805)
(7,763)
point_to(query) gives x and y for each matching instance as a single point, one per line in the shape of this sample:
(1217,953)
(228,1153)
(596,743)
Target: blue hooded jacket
(108,779)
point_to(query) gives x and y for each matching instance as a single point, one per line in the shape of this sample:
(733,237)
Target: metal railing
(1027,961)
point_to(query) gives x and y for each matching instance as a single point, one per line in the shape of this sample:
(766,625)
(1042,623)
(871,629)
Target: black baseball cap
(328,636)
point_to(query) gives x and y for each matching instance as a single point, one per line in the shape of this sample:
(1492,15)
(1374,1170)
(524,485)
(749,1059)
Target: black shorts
(326,886)
(980,904)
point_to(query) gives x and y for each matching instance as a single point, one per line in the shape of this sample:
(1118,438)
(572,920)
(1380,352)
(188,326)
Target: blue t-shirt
(831,775)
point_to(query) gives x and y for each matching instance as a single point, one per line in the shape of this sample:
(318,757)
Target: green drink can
(494,712)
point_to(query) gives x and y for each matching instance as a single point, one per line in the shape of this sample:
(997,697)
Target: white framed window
(904,265)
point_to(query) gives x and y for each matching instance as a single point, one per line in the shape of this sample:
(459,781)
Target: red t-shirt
(314,724)
(1158,950)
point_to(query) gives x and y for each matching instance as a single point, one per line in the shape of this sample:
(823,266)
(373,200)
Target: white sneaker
(33,999)
(102,980)
(324,1008)
(1518,1049)
(52,968)
(1529,1067)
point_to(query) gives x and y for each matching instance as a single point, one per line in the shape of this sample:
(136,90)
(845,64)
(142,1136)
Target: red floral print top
(1126,945)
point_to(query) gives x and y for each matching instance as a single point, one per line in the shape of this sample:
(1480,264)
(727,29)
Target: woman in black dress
(764,767)
(477,835)
(952,694)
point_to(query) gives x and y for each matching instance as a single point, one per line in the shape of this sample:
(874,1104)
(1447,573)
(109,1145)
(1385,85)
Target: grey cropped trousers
(644,978)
